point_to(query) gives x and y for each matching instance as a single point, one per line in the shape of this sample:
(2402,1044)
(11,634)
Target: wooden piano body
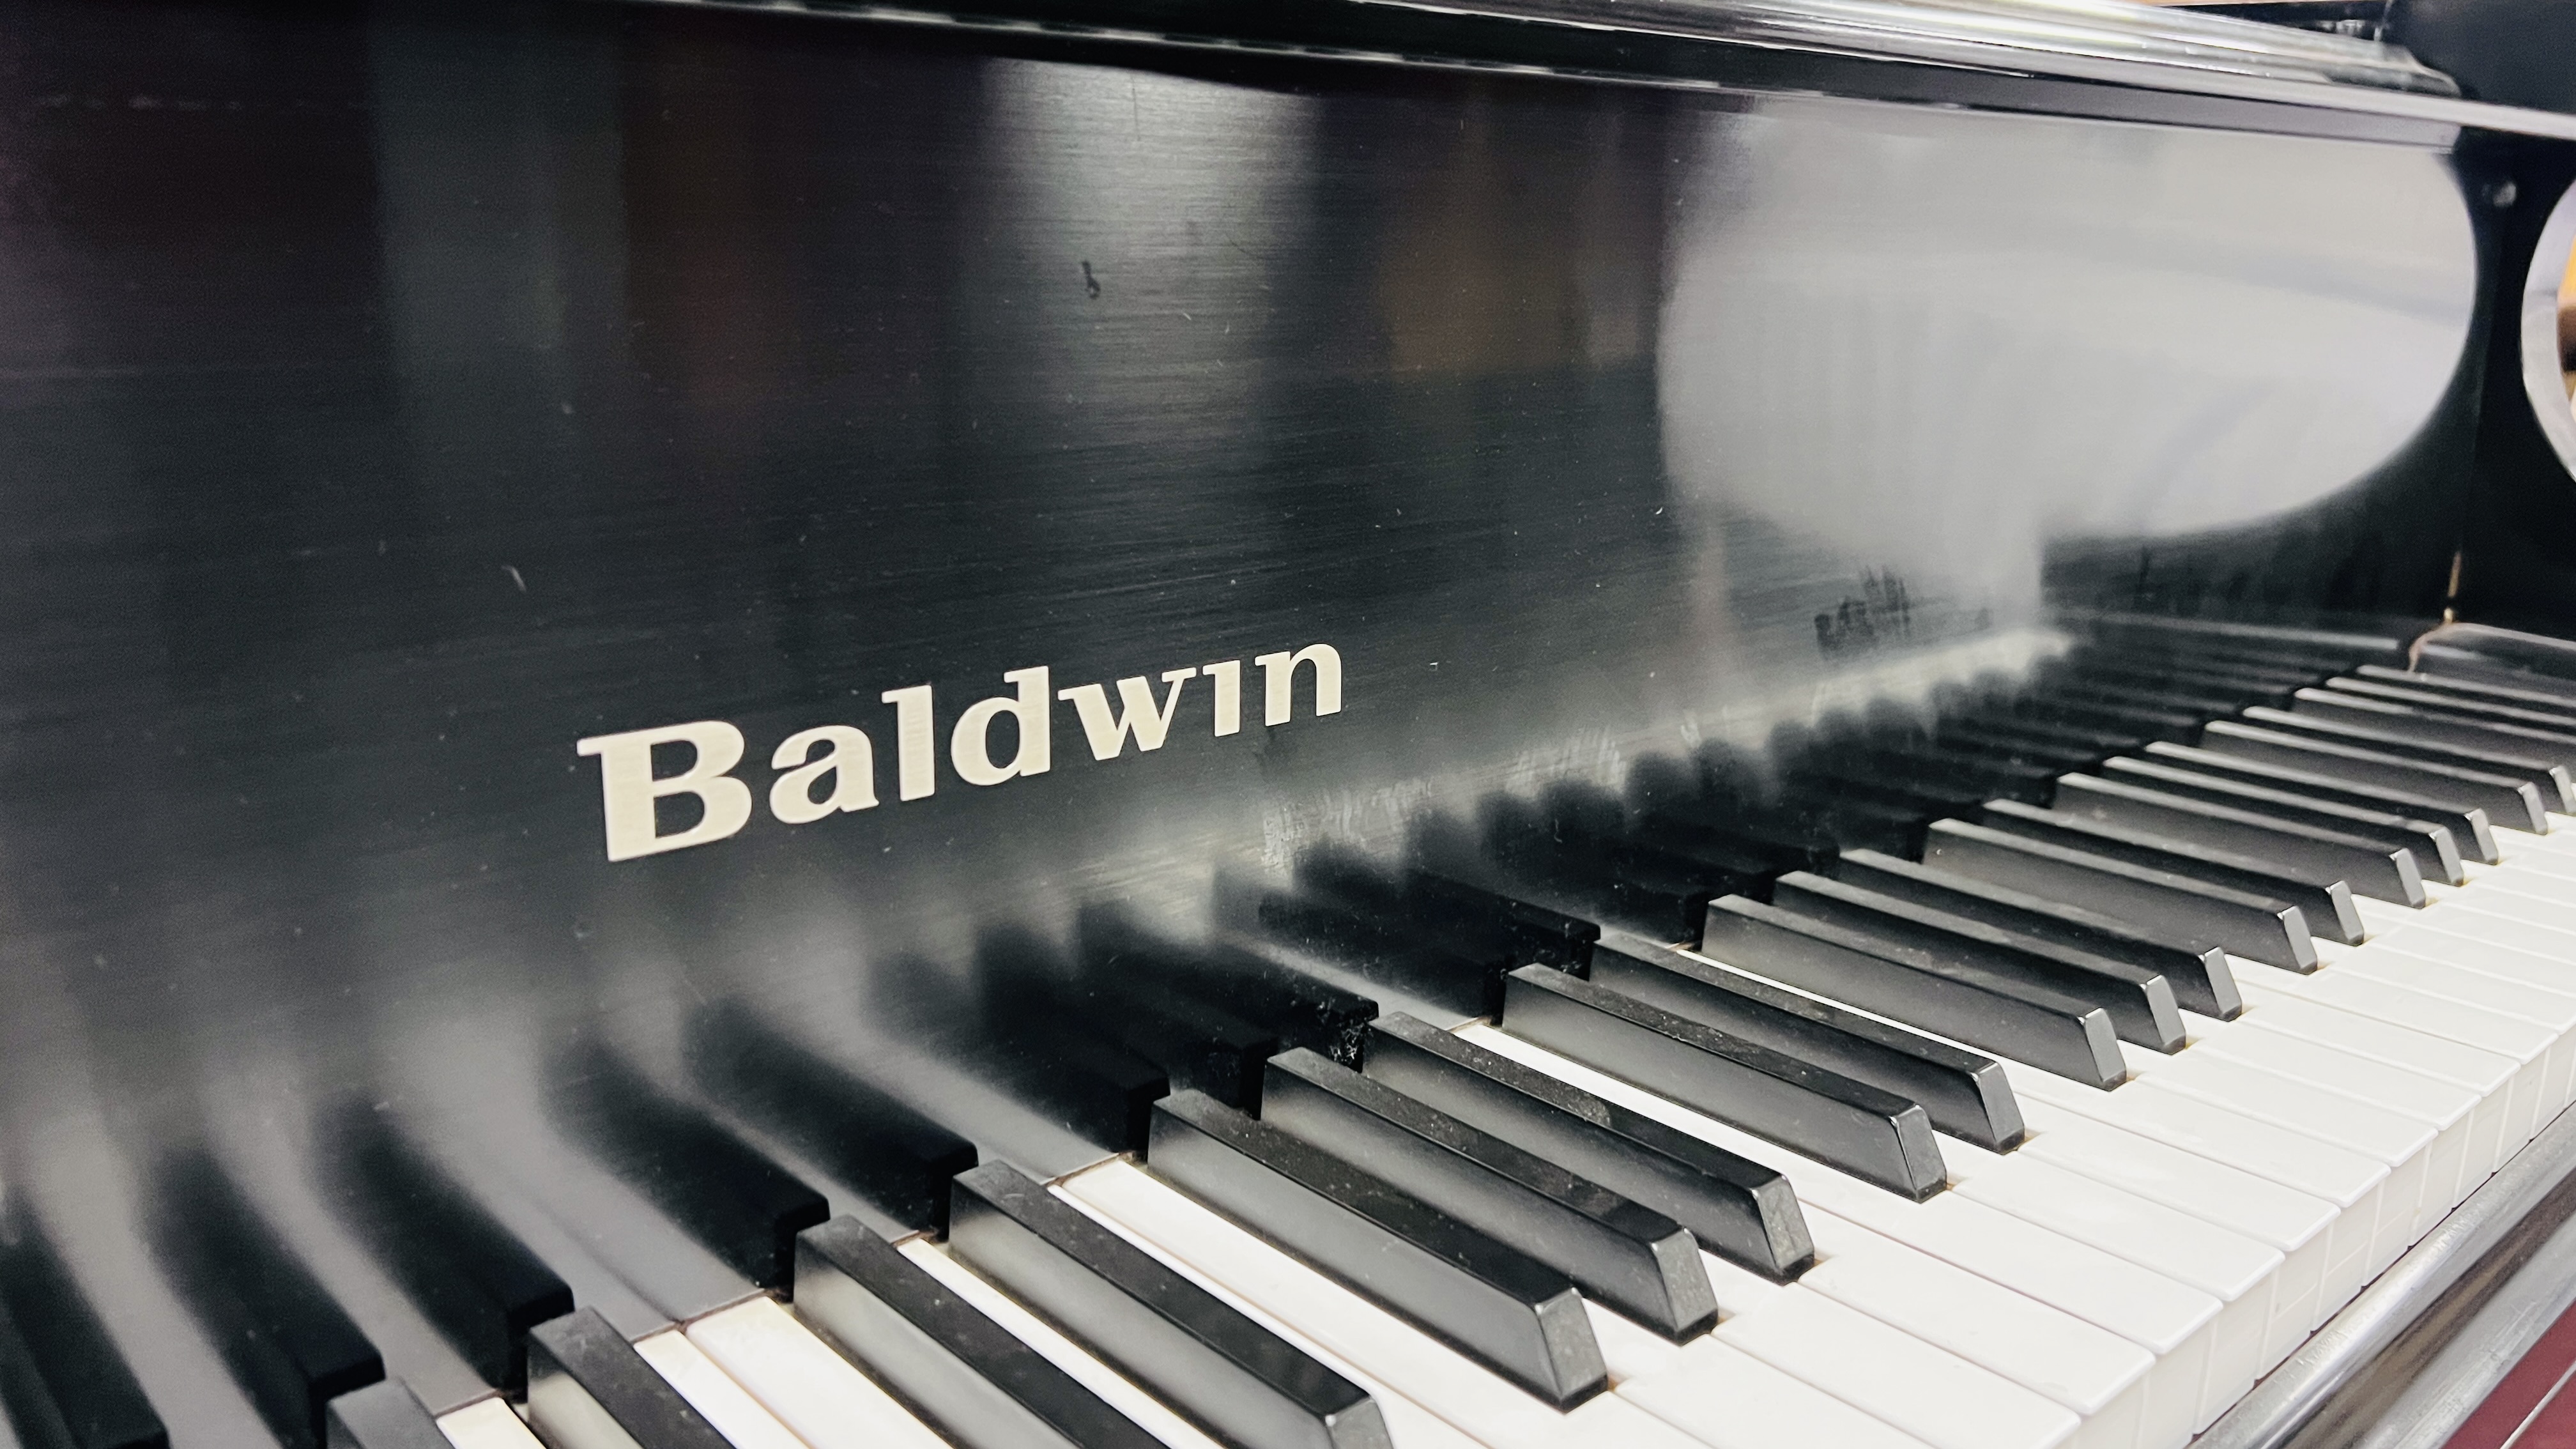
(536,530)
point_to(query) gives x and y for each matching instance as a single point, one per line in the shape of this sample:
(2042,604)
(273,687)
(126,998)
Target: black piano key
(2324,897)
(2547,779)
(2075,739)
(2328,654)
(290,1347)
(381,1416)
(1279,999)
(2369,867)
(2507,800)
(2557,701)
(1867,1131)
(1934,770)
(1962,1000)
(1965,1094)
(2140,1001)
(1718,823)
(2237,687)
(1038,1043)
(966,1376)
(1439,906)
(742,1207)
(83,1375)
(2277,673)
(1649,892)
(2436,850)
(2169,698)
(2004,745)
(1829,781)
(1452,972)
(1620,1252)
(1092,1087)
(2196,970)
(899,1160)
(1737,1209)
(1548,937)
(1183,1344)
(2471,834)
(2140,720)
(1487,1299)
(1193,1043)
(466,1273)
(2561,720)
(2259,928)
(587,1385)
(2479,741)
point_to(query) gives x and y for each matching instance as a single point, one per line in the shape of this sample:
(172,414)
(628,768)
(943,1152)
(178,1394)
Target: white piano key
(2237,1271)
(2295,1224)
(712,1392)
(2404,1145)
(804,1382)
(2542,959)
(2517,1040)
(1938,1397)
(2452,978)
(1731,1400)
(2449,1109)
(2174,1322)
(2476,922)
(2097,1374)
(2486,1076)
(1352,1334)
(2342,1177)
(490,1424)
(1114,1388)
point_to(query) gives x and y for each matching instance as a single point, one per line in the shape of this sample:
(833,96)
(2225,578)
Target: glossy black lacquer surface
(394,397)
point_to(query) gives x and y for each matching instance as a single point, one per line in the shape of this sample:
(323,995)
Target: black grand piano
(1355,724)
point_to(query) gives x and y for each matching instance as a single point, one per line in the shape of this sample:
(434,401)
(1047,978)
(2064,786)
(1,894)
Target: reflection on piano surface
(1399,729)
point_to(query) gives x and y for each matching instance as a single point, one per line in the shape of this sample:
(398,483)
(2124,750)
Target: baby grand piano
(1344,723)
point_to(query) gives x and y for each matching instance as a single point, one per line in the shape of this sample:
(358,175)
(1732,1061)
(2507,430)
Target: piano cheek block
(589,1389)
(1241,1381)
(1521,1320)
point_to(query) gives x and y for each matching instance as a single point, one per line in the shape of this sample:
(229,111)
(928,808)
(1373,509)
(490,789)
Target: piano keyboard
(2041,1074)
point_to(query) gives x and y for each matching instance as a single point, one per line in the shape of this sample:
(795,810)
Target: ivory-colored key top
(1394,1360)
(804,1382)
(2173,1322)
(2339,1175)
(2093,1372)
(2237,1271)
(2449,1109)
(2404,1145)
(2486,1076)
(1937,1397)
(490,1424)
(2292,1223)
(2519,1041)
(736,1414)
(1729,1399)
(2452,975)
